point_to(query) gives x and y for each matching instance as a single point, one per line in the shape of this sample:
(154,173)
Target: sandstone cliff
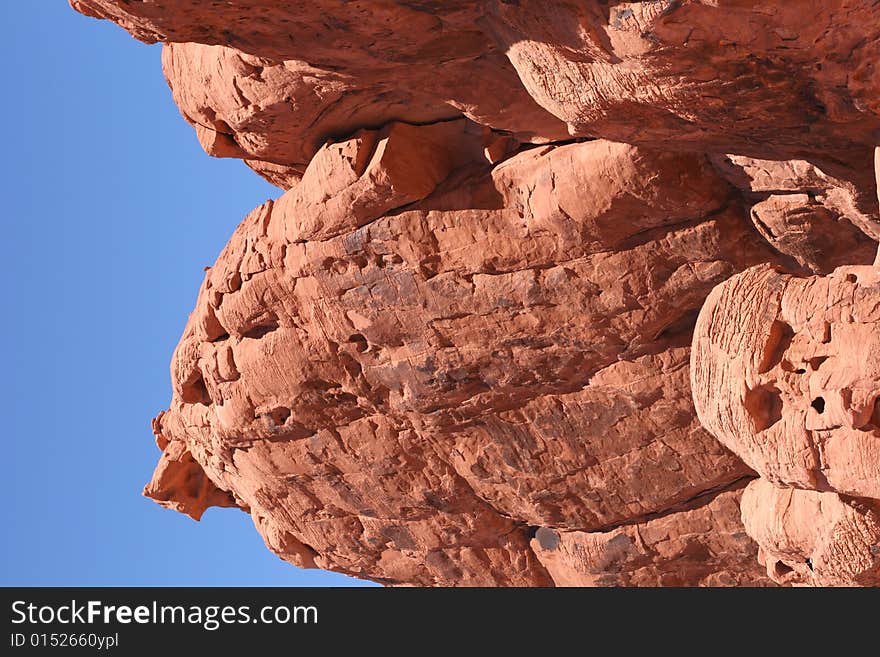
(457,348)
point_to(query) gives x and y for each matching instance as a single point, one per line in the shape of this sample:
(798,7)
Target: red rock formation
(456,350)
(770,79)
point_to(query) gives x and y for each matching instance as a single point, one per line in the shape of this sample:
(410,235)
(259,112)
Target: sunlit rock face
(460,347)
(508,352)
(812,538)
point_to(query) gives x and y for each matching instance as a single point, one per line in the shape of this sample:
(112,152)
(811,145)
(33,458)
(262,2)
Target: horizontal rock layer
(701,544)
(769,79)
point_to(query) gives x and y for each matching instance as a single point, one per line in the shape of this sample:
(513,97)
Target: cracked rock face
(460,347)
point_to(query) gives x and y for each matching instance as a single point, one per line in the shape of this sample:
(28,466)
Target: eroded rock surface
(786,373)
(457,349)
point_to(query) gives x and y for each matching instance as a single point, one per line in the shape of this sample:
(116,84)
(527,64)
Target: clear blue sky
(111,210)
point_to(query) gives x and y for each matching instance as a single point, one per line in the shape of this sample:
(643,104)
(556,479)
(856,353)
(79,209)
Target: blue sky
(111,211)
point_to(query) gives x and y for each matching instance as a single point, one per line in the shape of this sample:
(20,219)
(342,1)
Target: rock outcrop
(457,349)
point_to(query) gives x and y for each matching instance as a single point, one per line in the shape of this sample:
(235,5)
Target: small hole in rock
(764,406)
(778,342)
(852,278)
(781,569)
(385,260)
(359,342)
(809,563)
(279,415)
(816,362)
(819,404)
(875,416)
(257,332)
(196,392)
